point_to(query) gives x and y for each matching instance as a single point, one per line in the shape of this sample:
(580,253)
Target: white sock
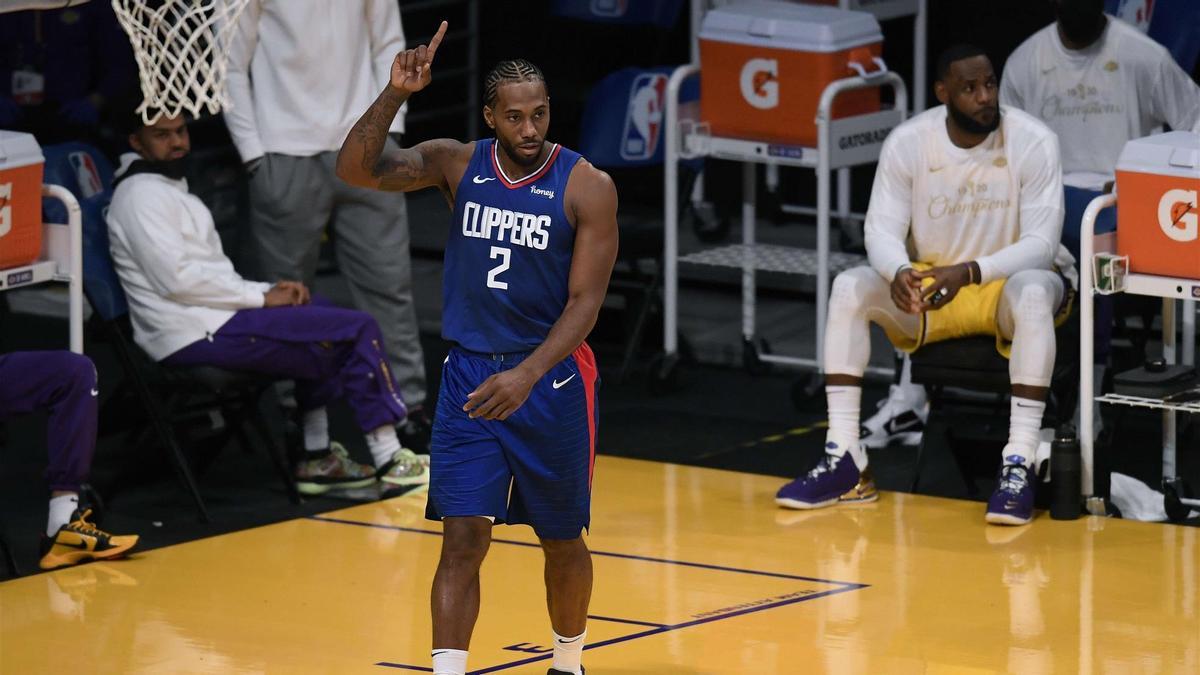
(449,662)
(383,443)
(316,430)
(844,409)
(568,652)
(61,508)
(1024,425)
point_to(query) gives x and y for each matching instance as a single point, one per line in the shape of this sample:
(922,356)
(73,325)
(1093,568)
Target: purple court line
(844,586)
(625,556)
(628,621)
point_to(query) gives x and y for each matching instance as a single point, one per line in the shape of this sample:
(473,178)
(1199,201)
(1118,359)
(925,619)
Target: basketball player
(532,244)
(974,189)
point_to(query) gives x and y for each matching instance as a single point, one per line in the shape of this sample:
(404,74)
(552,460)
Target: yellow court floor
(696,572)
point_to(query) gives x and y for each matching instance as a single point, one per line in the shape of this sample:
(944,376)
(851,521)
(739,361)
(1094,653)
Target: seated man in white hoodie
(189,308)
(962,233)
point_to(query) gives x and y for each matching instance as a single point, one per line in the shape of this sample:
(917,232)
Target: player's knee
(465,544)
(564,548)
(849,292)
(1034,301)
(77,370)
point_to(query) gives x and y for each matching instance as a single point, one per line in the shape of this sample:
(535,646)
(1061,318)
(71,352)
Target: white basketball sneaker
(900,419)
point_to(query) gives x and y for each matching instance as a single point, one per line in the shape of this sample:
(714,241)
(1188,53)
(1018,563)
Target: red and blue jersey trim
(531,178)
(585,361)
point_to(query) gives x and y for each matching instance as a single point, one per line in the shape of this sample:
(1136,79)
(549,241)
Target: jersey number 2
(503,254)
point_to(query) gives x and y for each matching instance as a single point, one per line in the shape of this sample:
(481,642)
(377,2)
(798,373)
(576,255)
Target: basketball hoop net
(179,52)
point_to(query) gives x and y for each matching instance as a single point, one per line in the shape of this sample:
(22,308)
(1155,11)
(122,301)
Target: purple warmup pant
(65,384)
(330,352)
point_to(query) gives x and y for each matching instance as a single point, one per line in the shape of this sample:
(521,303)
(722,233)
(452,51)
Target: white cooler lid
(789,25)
(1176,153)
(18,149)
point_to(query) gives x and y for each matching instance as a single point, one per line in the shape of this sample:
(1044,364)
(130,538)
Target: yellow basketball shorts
(971,312)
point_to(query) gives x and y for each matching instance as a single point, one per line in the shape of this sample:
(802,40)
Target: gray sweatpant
(291,201)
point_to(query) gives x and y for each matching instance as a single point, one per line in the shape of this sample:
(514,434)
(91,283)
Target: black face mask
(175,169)
(1081,21)
(970,124)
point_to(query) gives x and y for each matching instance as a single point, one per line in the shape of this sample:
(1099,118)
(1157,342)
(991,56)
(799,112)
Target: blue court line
(843,587)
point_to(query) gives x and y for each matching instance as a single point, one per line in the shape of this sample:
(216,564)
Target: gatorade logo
(1177,215)
(5,208)
(760,83)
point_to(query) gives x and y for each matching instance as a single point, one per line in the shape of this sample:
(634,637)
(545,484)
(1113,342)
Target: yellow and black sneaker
(79,541)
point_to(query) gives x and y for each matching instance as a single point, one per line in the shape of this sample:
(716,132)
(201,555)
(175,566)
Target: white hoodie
(180,285)
(301,72)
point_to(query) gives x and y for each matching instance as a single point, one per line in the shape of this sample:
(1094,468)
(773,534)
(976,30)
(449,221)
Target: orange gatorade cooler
(1158,216)
(763,65)
(20,199)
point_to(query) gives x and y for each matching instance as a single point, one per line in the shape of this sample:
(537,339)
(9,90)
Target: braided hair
(512,70)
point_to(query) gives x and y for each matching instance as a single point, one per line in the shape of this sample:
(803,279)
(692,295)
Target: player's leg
(454,600)
(331,353)
(468,490)
(568,593)
(65,385)
(1025,316)
(550,442)
(859,297)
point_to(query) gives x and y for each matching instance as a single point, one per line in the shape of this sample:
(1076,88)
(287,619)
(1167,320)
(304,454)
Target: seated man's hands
(906,291)
(287,294)
(947,281)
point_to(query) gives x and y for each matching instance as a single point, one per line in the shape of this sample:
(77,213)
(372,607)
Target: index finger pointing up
(437,40)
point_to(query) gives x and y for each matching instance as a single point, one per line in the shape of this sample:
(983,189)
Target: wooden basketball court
(696,572)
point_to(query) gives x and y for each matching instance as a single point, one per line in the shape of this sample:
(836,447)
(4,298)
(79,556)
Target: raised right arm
(363,162)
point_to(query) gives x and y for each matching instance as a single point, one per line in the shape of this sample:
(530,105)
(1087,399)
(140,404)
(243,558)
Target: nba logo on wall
(5,208)
(610,8)
(1177,215)
(760,83)
(1136,12)
(644,118)
(87,176)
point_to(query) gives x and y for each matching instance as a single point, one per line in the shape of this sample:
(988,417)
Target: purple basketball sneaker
(1012,502)
(834,479)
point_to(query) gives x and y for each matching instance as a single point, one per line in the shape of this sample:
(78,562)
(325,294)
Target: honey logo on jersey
(759,82)
(1177,215)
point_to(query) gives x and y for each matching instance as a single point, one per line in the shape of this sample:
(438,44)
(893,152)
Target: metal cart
(62,260)
(843,142)
(1170,289)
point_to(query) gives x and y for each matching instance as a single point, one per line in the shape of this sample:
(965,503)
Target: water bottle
(1066,469)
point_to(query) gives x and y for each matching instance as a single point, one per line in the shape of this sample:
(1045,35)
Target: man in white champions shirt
(974,192)
(1098,83)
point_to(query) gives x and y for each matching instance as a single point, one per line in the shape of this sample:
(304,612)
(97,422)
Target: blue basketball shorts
(534,468)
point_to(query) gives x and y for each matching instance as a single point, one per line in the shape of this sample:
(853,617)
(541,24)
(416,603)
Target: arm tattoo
(371,130)
(396,173)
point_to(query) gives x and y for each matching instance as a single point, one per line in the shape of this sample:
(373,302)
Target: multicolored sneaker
(406,472)
(1012,502)
(835,479)
(332,471)
(80,541)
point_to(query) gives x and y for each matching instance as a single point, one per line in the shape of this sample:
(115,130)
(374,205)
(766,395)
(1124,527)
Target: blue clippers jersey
(509,254)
